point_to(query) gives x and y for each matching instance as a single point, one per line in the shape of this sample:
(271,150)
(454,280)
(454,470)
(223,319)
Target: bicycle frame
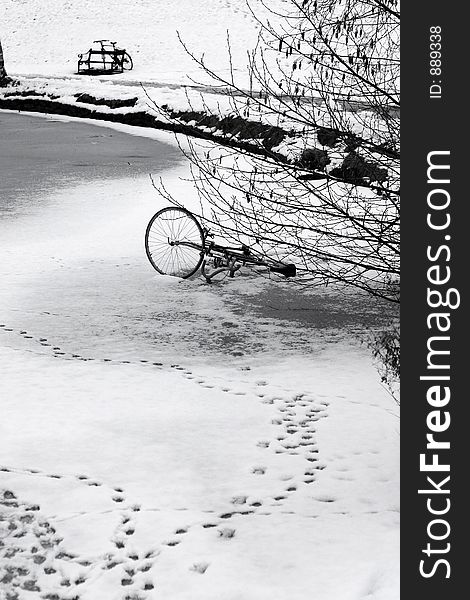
(232,259)
(176,244)
(104,58)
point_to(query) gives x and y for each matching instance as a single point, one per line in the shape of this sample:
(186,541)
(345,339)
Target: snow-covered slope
(45,37)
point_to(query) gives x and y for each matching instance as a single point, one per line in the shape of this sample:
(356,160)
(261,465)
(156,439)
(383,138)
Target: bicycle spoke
(174,242)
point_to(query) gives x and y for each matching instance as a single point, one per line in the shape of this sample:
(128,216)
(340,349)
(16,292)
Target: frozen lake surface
(41,154)
(166,439)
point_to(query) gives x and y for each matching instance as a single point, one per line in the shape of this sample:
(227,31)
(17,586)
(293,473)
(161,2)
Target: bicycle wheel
(127,63)
(174,242)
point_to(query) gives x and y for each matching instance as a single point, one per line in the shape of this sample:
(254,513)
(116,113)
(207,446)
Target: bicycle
(104,58)
(176,244)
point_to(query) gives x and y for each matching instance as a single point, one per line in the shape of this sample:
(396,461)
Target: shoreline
(234,132)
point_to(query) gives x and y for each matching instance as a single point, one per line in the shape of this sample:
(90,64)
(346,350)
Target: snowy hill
(45,37)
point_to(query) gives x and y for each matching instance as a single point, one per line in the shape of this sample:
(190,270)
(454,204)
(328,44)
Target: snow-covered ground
(166,439)
(41,42)
(46,37)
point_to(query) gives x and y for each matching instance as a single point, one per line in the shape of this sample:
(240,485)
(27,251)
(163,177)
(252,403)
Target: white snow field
(46,37)
(163,439)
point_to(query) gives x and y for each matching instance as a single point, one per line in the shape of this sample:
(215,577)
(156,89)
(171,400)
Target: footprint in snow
(239,499)
(325,498)
(226,533)
(227,515)
(133,556)
(146,567)
(200,567)
(130,571)
(306,443)
(263,444)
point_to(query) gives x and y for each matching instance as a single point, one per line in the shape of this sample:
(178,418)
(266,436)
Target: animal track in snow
(57,351)
(226,533)
(29,548)
(200,567)
(263,444)
(239,499)
(229,515)
(49,553)
(296,416)
(325,498)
